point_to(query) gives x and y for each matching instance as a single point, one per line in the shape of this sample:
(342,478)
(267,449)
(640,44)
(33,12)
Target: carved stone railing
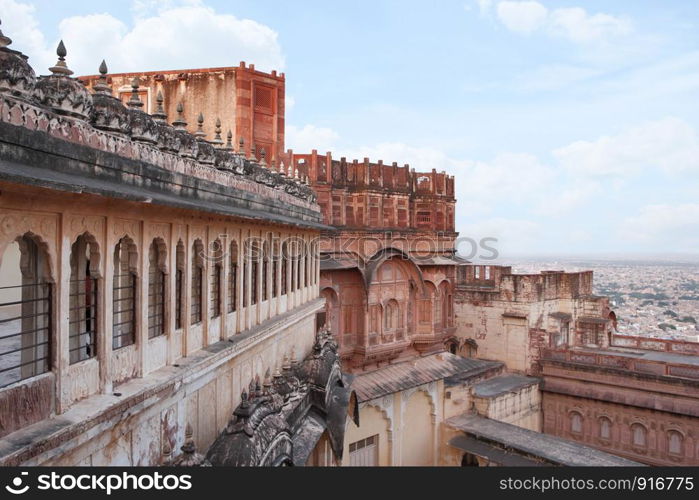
(632,364)
(665,345)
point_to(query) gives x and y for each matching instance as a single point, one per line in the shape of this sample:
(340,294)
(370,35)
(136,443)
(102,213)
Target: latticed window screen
(365,453)
(263,98)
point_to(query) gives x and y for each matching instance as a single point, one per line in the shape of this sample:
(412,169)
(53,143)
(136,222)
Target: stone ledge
(89,417)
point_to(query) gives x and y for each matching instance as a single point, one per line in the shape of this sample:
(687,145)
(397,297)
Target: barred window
(179,285)
(197,282)
(124,294)
(25,312)
(275,268)
(157,256)
(245,282)
(215,256)
(265,270)
(82,316)
(284,266)
(233,279)
(299,259)
(216,271)
(307,266)
(253,280)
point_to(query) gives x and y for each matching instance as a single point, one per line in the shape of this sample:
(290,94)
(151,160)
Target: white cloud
(522,17)
(672,228)
(579,26)
(669,144)
(163,35)
(309,137)
(571,23)
(20,24)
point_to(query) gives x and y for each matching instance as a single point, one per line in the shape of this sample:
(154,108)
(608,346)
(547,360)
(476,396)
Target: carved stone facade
(631,396)
(146,276)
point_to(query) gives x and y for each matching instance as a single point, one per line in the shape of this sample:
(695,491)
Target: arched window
(307,264)
(674,443)
(284,266)
(299,260)
(25,311)
(197,282)
(82,317)
(392,315)
(216,263)
(265,270)
(576,422)
(254,256)
(124,294)
(275,268)
(157,258)
(292,267)
(233,278)
(605,428)
(639,435)
(179,285)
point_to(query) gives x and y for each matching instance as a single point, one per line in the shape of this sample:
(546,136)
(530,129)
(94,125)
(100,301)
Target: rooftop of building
(504,384)
(408,374)
(527,444)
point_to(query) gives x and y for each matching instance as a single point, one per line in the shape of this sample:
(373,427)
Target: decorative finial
(4,40)
(135,100)
(273,165)
(263,155)
(180,123)
(253,156)
(218,142)
(101,86)
(241,147)
(244,399)
(167,452)
(160,114)
(282,170)
(200,134)
(229,141)
(61,68)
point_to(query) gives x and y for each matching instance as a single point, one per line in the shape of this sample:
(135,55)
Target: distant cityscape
(651,298)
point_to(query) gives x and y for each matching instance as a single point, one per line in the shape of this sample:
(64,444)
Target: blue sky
(571,125)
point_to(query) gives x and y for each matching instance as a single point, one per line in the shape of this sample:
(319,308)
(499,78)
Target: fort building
(172,294)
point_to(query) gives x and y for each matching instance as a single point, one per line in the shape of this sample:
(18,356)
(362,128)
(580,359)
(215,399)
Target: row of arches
(639,434)
(27,292)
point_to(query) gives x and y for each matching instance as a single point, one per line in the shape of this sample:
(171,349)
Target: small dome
(108,113)
(16,75)
(65,95)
